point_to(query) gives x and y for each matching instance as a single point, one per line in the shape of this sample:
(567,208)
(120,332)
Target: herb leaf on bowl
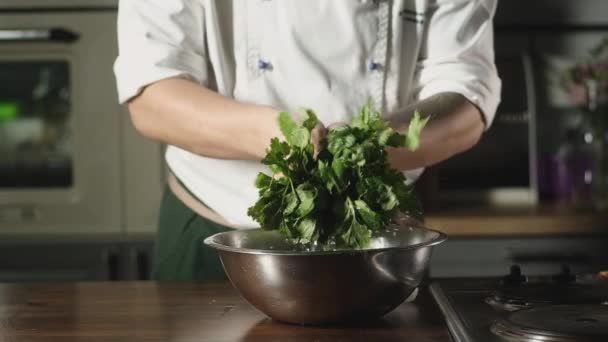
(345,194)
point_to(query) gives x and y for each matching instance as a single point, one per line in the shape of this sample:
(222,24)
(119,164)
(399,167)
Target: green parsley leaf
(412,140)
(345,194)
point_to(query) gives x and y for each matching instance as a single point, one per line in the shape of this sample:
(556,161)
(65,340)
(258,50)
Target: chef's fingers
(317,137)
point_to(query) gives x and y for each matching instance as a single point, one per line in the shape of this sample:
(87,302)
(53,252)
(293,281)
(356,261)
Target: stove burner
(517,291)
(514,297)
(555,323)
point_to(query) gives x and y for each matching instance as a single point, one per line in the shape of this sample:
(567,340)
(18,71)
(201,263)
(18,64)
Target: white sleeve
(457,54)
(158,39)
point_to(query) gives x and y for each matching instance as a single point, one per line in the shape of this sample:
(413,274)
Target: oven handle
(52,35)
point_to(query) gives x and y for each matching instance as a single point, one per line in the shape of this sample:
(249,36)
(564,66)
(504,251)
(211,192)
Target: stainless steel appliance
(79,188)
(520,308)
(70,161)
(501,168)
(518,161)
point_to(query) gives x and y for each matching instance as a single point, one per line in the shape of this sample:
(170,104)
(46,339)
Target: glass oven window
(35,131)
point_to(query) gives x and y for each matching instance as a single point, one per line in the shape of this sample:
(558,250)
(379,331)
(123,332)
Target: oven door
(60,127)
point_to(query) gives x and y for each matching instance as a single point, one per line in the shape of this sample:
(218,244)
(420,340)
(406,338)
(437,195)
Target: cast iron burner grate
(555,323)
(526,295)
(517,292)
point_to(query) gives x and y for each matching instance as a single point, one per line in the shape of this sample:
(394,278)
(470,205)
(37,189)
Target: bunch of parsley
(345,194)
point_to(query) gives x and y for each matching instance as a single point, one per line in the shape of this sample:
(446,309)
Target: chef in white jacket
(208,77)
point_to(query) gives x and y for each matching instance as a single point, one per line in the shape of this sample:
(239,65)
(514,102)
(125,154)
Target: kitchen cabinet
(492,256)
(34,261)
(53,259)
(137,259)
(487,240)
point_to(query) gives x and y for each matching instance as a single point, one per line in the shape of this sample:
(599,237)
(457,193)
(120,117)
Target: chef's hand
(316,135)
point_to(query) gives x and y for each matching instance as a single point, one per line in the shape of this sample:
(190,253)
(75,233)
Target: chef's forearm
(455,126)
(182,113)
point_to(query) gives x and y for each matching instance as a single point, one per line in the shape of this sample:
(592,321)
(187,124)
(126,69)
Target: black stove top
(559,308)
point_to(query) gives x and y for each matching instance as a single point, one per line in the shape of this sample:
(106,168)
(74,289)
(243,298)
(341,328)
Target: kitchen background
(79,189)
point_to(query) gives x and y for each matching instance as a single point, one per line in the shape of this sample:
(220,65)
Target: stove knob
(565,276)
(514,277)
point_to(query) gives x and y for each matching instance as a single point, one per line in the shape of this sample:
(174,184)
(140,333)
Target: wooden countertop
(148,311)
(542,220)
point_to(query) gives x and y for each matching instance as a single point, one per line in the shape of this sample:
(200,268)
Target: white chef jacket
(329,55)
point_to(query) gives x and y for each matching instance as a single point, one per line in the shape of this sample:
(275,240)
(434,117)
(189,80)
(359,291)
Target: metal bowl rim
(209,241)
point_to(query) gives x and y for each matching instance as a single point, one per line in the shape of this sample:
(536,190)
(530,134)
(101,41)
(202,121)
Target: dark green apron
(180,253)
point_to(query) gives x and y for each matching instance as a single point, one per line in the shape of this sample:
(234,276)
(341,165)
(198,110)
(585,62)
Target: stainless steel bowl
(326,286)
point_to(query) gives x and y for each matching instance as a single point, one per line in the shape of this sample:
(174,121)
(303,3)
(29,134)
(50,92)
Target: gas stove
(518,308)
